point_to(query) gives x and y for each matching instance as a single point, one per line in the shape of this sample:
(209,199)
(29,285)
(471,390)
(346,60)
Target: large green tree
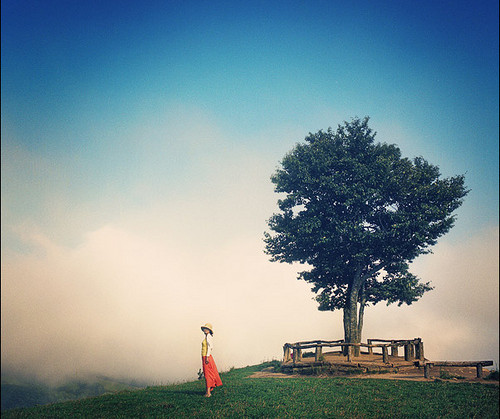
(358,213)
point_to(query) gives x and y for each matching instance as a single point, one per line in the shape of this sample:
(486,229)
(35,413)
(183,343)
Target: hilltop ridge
(296,396)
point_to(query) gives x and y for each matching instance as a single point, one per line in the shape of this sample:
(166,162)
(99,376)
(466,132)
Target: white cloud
(122,304)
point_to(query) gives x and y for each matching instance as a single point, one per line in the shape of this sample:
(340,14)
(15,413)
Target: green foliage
(16,395)
(312,397)
(358,213)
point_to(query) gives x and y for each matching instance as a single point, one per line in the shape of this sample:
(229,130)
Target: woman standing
(212,378)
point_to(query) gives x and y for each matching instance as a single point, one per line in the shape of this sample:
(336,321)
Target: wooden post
(286,353)
(394,349)
(479,370)
(407,351)
(349,353)
(419,349)
(385,356)
(426,370)
(413,349)
(370,349)
(299,355)
(319,352)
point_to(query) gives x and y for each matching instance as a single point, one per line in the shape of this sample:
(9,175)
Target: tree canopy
(358,213)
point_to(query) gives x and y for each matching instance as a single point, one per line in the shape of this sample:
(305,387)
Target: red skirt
(212,377)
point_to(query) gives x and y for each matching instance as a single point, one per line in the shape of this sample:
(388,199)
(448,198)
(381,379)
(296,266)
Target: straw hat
(207,326)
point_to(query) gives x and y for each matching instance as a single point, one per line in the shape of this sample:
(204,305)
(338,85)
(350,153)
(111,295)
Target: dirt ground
(455,374)
(450,374)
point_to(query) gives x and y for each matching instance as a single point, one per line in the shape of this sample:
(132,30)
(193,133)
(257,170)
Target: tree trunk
(352,329)
(362,304)
(348,327)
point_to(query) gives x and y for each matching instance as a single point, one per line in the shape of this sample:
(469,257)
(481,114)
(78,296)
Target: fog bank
(127,306)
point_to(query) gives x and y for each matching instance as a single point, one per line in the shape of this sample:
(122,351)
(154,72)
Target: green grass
(243,397)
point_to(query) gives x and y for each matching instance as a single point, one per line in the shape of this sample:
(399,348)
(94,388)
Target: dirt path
(452,374)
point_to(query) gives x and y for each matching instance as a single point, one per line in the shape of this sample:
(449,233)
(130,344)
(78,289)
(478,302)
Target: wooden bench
(478,364)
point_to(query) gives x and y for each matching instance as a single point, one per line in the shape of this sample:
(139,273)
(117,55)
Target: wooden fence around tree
(413,352)
(413,348)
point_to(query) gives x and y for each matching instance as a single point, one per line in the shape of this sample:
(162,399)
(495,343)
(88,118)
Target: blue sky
(162,121)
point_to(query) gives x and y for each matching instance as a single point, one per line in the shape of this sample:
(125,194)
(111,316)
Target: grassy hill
(242,396)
